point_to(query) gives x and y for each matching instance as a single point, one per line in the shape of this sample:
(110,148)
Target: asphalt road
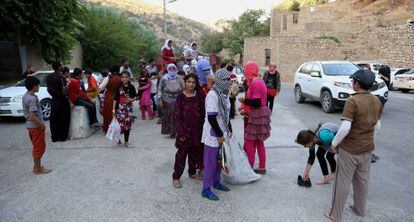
(93,181)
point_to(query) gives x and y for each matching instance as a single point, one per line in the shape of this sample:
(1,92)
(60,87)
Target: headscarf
(185,49)
(186,69)
(203,70)
(272,69)
(222,89)
(166,45)
(251,70)
(173,74)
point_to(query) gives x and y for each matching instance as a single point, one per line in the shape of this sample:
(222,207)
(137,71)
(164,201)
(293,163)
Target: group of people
(352,142)
(195,108)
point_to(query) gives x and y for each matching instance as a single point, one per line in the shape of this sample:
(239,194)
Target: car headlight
(16,99)
(343,85)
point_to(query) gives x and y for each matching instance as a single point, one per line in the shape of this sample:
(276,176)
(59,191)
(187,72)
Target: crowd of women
(194,106)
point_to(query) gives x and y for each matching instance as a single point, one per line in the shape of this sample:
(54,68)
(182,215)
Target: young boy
(34,123)
(354,143)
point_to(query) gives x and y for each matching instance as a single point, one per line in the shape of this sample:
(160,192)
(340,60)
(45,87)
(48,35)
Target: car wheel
(46,106)
(405,90)
(392,87)
(298,94)
(328,105)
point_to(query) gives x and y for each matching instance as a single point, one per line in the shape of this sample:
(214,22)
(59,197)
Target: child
(34,123)
(154,84)
(122,106)
(93,89)
(322,137)
(145,98)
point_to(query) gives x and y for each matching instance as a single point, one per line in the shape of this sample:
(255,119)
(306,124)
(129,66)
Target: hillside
(374,12)
(180,29)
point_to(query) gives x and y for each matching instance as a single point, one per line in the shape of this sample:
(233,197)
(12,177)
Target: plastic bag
(114,131)
(240,171)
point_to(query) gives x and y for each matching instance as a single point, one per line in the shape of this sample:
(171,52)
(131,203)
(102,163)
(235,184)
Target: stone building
(315,34)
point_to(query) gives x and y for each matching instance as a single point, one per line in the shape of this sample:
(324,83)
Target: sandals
(177,184)
(42,171)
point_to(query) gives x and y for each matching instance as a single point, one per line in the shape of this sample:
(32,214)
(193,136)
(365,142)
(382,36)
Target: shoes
(127,145)
(260,171)
(207,193)
(304,183)
(300,181)
(219,186)
(143,118)
(177,184)
(196,176)
(374,158)
(308,183)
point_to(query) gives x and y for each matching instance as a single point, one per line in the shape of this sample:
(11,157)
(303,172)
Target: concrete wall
(33,57)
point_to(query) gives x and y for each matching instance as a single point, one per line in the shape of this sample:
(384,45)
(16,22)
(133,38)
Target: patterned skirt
(258,125)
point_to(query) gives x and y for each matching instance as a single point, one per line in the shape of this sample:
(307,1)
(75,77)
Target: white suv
(328,82)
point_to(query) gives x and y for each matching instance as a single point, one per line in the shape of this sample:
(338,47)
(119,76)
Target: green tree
(249,24)
(212,42)
(49,25)
(295,5)
(109,36)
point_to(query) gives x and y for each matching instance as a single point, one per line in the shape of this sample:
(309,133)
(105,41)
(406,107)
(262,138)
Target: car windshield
(339,69)
(41,76)
(411,72)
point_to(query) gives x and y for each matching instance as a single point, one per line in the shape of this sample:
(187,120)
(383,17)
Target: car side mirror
(315,74)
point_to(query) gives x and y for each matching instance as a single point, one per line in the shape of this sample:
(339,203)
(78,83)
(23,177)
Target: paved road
(92,181)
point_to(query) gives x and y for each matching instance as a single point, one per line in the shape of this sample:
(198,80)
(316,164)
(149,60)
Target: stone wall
(255,49)
(294,44)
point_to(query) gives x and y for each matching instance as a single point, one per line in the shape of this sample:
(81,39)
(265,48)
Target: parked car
(238,71)
(395,72)
(11,97)
(328,82)
(405,82)
(371,65)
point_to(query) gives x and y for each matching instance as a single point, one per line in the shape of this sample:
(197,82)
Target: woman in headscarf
(170,87)
(216,127)
(272,80)
(204,74)
(257,117)
(194,52)
(167,52)
(110,91)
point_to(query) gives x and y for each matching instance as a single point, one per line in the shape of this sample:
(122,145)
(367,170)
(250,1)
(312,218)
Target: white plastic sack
(114,131)
(240,171)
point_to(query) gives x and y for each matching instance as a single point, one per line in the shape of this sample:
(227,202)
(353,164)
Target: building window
(267,54)
(284,22)
(295,18)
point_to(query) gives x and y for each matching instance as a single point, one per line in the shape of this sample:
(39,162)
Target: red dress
(113,84)
(166,54)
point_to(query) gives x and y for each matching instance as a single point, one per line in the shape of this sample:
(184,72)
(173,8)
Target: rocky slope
(182,30)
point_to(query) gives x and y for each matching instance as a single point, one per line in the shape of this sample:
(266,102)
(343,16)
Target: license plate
(5,112)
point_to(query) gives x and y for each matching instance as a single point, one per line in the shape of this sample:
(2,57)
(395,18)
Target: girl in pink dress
(145,101)
(257,123)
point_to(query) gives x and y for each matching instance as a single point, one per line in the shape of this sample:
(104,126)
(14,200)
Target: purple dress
(189,114)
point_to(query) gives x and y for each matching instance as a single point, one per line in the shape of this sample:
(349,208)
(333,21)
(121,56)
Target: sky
(210,11)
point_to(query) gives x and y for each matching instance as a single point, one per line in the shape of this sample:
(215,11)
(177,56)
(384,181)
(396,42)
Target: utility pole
(165,17)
